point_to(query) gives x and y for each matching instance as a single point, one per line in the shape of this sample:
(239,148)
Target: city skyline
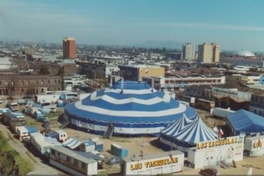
(234,25)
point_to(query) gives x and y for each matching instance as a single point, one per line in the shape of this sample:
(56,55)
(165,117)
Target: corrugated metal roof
(73,154)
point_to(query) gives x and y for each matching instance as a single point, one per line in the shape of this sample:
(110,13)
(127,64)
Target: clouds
(119,22)
(208,26)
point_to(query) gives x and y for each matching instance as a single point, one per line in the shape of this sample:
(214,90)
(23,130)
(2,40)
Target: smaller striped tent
(177,126)
(72,143)
(196,132)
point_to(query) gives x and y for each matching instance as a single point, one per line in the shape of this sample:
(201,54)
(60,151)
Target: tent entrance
(109,131)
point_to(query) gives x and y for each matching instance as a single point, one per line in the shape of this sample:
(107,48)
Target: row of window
(28,82)
(78,164)
(256,99)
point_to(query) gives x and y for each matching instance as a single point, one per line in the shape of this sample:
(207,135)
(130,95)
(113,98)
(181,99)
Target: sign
(153,164)
(216,143)
(215,151)
(257,144)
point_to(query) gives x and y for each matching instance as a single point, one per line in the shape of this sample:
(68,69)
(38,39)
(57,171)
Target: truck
(23,132)
(15,123)
(18,117)
(13,106)
(3,110)
(60,135)
(39,115)
(50,98)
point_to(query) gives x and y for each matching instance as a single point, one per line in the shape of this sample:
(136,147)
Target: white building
(188,51)
(162,163)
(180,81)
(212,152)
(72,162)
(6,63)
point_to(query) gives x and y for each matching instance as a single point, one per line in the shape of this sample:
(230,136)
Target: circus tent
(194,132)
(177,126)
(127,108)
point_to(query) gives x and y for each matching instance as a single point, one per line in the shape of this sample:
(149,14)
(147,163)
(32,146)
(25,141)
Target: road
(39,168)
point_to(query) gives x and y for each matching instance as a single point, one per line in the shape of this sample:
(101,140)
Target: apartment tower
(188,51)
(208,53)
(69,48)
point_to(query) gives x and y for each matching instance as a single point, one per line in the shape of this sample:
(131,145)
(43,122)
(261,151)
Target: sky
(233,24)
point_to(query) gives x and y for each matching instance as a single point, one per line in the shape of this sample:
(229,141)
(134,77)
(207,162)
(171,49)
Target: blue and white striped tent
(132,107)
(196,132)
(177,126)
(72,143)
(191,134)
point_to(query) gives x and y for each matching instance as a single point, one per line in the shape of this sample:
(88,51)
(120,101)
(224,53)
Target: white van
(21,132)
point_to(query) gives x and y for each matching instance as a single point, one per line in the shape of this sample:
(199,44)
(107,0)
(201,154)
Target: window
(52,152)
(83,165)
(68,159)
(76,162)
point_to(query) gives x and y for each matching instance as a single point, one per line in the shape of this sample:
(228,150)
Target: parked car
(114,160)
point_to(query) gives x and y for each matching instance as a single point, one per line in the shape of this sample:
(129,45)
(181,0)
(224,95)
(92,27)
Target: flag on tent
(221,133)
(215,129)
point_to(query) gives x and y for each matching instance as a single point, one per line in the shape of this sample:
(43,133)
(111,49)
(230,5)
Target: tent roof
(246,122)
(72,143)
(196,132)
(177,126)
(137,103)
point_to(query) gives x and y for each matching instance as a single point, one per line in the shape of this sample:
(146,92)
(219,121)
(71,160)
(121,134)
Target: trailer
(41,143)
(60,135)
(23,132)
(49,98)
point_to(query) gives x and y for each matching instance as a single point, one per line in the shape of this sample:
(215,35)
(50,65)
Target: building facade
(257,104)
(188,52)
(69,48)
(208,53)
(11,85)
(168,83)
(137,72)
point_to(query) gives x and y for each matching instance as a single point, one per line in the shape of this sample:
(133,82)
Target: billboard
(210,153)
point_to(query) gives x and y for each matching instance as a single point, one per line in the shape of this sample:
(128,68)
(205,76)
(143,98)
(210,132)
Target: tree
(44,70)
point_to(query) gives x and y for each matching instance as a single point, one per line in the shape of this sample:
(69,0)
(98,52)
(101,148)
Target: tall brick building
(69,48)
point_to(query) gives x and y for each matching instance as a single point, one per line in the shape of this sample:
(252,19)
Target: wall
(154,166)
(255,145)
(215,152)
(150,71)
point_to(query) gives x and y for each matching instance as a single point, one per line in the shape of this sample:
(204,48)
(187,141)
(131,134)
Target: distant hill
(159,44)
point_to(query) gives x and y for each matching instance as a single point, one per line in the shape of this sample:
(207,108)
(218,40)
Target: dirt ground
(144,144)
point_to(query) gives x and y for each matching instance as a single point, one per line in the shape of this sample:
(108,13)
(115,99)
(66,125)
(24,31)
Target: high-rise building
(188,52)
(69,48)
(208,53)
